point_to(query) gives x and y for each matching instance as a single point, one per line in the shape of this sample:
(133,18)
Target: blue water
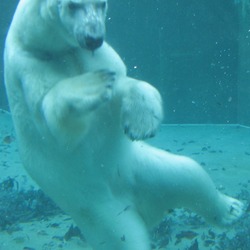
(197,54)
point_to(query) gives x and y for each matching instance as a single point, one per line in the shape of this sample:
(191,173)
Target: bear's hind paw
(234,210)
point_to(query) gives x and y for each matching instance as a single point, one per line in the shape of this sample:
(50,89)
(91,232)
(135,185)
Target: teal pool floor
(223,151)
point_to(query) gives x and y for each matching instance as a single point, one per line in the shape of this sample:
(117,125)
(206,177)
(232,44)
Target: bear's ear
(52,8)
(106,6)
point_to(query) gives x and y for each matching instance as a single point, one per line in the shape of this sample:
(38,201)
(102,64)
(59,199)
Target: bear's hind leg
(167,181)
(114,227)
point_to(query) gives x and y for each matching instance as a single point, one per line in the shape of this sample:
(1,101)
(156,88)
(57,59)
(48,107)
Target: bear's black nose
(93,43)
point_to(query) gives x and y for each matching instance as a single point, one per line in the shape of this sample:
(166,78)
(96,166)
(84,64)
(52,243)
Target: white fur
(70,113)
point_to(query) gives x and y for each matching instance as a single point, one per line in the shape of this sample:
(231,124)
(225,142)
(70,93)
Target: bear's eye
(73,6)
(103,5)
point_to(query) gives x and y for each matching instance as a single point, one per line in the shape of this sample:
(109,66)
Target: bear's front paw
(102,84)
(141,112)
(98,89)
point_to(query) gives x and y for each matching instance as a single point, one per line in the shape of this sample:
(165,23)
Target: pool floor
(222,150)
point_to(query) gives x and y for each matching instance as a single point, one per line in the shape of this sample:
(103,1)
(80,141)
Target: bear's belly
(75,178)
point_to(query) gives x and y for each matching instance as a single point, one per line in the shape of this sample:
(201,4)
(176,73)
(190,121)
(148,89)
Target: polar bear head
(84,20)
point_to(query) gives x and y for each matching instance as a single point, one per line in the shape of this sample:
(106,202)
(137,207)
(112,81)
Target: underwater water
(30,220)
(197,54)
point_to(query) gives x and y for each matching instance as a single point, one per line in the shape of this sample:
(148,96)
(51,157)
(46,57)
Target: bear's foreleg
(68,106)
(141,108)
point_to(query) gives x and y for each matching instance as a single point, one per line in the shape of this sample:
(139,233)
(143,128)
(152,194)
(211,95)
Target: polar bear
(81,122)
